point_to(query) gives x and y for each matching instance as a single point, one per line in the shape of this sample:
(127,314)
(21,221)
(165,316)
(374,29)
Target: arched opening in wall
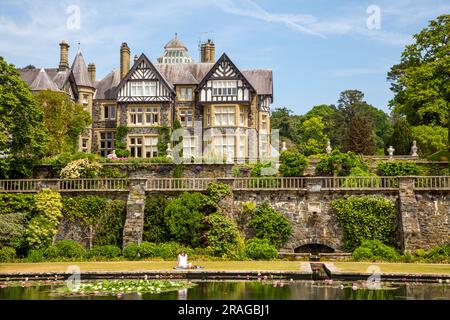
(314,248)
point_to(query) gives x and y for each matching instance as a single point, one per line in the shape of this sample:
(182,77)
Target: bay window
(224,146)
(224,116)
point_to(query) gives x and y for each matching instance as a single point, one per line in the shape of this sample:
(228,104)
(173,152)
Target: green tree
(351,103)
(402,137)
(64,120)
(359,136)
(281,119)
(430,139)
(270,225)
(22,133)
(310,136)
(155,229)
(421,81)
(293,164)
(184,218)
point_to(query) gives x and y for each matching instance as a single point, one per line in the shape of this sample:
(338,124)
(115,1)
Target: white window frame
(224,88)
(190,147)
(225,116)
(224,146)
(143,88)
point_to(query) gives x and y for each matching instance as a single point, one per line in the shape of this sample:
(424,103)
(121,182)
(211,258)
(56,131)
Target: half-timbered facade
(224,112)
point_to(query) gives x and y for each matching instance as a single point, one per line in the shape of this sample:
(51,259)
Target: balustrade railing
(336,183)
(94,185)
(201,184)
(181,184)
(18,185)
(432,183)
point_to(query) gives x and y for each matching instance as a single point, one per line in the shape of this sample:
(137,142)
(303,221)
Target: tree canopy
(421,81)
(22,133)
(64,120)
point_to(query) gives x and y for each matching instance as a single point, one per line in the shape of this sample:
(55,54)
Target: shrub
(7,254)
(43,227)
(270,225)
(439,254)
(131,251)
(170,250)
(82,168)
(397,168)
(155,229)
(35,256)
(223,237)
(15,212)
(371,180)
(365,218)
(375,250)
(107,252)
(339,164)
(184,218)
(217,191)
(260,249)
(65,249)
(293,164)
(148,250)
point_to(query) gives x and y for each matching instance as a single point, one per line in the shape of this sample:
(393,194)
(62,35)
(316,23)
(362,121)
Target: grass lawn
(218,265)
(393,267)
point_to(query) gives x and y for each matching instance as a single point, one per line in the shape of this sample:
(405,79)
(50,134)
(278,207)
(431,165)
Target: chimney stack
(64,56)
(124,60)
(91,72)
(208,52)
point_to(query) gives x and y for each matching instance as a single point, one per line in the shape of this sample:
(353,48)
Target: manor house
(223,110)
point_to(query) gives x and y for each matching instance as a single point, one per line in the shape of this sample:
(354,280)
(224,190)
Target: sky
(316,48)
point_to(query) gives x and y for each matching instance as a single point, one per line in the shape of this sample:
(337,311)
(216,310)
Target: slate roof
(105,88)
(184,73)
(261,80)
(43,79)
(193,73)
(80,71)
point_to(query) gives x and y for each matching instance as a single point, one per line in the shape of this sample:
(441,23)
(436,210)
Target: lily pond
(221,290)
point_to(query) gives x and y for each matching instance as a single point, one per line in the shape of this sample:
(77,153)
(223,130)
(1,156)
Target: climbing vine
(365,218)
(43,226)
(121,146)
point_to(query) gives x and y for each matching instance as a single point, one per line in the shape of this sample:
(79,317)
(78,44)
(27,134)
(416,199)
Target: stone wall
(423,218)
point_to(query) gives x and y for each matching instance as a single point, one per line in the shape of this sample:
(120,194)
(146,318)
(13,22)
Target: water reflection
(261,290)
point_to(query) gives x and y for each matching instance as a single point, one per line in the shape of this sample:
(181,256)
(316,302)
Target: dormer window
(224,88)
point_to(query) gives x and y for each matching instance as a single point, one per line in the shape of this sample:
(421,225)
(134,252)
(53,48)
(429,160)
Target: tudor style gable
(224,83)
(143,83)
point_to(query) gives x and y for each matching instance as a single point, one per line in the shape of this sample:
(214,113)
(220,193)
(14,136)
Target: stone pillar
(226,205)
(134,223)
(409,228)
